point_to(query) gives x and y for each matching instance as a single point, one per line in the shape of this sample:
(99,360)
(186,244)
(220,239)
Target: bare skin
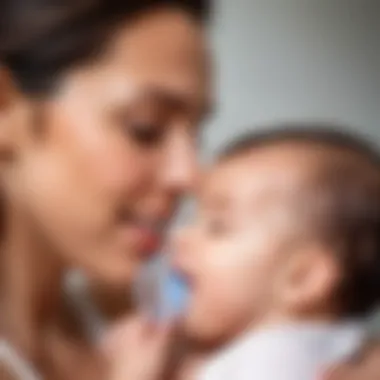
(365,366)
(116,149)
(189,365)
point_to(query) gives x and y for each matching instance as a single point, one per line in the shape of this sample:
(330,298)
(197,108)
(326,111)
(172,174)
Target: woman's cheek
(120,171)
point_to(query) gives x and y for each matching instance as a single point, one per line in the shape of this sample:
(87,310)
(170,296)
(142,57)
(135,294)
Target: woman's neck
(30,287)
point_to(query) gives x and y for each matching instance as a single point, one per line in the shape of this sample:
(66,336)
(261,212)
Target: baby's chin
(205,335)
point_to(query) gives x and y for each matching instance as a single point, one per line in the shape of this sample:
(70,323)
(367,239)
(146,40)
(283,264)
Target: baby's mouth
(185,278)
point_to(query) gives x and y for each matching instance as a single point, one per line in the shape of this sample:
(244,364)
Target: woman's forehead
(165,61)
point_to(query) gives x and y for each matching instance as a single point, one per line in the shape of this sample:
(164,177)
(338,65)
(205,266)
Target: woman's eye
(147,135)
(216,227)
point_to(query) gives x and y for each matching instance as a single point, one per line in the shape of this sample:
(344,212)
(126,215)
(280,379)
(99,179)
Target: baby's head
(288,229)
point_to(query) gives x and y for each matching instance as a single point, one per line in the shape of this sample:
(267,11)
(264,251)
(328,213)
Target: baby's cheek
(223,276)
(235,301)
(232,285)
(247,281)
(222,298)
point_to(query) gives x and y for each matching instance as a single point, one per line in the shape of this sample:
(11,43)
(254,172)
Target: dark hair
(348,218)
(41,39)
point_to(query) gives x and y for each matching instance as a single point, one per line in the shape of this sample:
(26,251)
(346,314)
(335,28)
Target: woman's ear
(7,89)
(10,112)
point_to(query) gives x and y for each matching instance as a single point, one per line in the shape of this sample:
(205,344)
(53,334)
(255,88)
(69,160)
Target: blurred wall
(295,59)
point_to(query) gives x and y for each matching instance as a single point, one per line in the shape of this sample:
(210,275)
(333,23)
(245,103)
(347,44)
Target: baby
(283,262)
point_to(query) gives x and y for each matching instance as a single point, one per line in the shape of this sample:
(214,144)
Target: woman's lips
(145,240)
(149,241)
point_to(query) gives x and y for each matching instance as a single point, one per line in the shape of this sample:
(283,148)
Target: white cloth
(292,352)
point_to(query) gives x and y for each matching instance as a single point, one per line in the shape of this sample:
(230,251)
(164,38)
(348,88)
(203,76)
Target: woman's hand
(365,367)
(137,350)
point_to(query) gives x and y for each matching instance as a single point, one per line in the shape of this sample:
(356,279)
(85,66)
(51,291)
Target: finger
(120,334)
(149,327)
(164,339)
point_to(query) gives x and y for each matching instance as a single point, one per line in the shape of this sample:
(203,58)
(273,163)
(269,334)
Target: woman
(99,106)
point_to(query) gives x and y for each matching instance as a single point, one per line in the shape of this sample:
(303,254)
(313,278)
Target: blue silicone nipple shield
(160,292)
(175,294)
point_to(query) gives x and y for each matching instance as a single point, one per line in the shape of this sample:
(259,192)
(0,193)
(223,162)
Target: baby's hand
(137,350)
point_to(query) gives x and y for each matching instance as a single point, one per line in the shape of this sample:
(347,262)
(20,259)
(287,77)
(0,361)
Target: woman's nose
(180,169)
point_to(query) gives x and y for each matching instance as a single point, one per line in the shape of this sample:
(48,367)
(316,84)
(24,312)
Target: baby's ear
(309,279)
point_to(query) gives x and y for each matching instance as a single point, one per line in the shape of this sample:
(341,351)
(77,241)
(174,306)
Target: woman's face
(99,167)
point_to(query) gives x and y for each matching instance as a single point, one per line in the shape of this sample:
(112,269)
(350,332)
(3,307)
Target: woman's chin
(115,275)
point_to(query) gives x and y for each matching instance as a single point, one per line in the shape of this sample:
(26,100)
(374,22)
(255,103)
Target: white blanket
(292,352)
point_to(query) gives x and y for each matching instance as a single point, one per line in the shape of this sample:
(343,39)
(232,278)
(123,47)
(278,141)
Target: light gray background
(295,59)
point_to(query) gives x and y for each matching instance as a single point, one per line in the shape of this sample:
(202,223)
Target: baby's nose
(182,242)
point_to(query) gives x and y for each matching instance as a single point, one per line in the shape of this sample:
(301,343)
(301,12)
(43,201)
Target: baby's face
(231,255)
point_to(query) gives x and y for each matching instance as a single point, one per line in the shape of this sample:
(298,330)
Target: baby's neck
(275,318)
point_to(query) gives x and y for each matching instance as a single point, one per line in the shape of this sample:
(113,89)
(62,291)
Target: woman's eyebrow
(179,100)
